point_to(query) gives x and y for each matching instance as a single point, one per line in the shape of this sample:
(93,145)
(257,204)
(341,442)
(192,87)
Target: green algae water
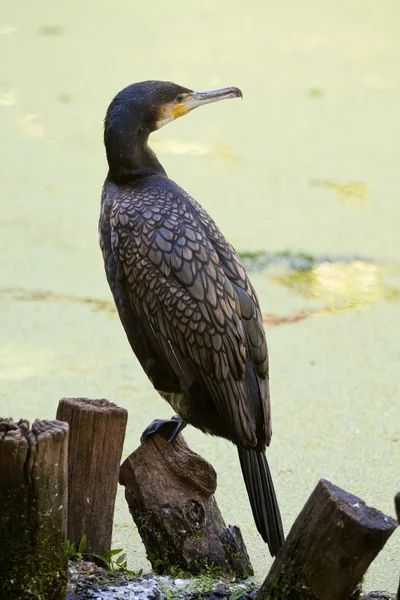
(305,166)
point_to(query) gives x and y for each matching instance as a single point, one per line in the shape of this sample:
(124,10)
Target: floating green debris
(340,285)
(51,30)
(64,98)
(353,193)
(260,260)
(315,92)
(46,296)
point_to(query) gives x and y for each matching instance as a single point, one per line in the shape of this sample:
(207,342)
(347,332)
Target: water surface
(307,163)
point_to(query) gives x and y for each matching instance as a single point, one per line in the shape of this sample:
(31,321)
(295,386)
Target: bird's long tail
(264,505)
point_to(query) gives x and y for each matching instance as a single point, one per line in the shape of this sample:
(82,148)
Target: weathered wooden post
(397,507)
(97,431)
(33,510)
(169,490)
(330,546)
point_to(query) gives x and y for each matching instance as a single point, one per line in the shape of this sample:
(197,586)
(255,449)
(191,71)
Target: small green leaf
(102,559)
(82,543)
(121,559)
(111,553)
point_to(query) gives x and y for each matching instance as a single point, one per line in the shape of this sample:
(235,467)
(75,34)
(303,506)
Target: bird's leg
(168,429)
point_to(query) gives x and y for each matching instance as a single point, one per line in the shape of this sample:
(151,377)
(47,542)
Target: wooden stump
(169,490)
(397,507)
(33,510)
(329,548)
(97,431)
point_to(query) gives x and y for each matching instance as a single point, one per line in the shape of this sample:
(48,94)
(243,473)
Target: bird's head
(141,108)
(156,103)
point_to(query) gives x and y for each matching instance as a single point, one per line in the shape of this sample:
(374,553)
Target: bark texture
(33,510)
(170,493)
(97,432)
(330,546)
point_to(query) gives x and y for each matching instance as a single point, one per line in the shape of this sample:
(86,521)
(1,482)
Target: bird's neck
(129,155)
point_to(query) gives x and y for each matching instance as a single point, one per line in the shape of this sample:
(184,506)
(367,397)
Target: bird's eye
(180,98)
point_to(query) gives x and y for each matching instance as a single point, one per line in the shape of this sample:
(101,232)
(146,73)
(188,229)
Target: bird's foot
(168,429)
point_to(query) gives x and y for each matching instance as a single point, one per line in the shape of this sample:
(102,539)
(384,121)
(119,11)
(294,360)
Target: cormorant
(189,311)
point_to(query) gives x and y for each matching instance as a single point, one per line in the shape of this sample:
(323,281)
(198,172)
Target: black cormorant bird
(184,298)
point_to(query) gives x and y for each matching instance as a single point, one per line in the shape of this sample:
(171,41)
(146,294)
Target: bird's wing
(248,300)
(257,350)
(176,281)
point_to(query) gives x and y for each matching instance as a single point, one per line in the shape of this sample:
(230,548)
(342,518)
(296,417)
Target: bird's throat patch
(169,112)
(179,111)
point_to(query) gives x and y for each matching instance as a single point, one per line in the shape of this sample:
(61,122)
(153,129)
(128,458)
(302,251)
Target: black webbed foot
(168,429)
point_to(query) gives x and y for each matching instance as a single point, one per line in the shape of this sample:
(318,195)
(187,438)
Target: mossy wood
(329,548)
(33,510)
(97,432)
(170,493)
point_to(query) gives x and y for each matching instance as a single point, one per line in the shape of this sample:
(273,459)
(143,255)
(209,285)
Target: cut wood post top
(97,404)
(20,429)
(97,432)
(329,547)
(24,439)
(31,453)
(357,510)
(177,459)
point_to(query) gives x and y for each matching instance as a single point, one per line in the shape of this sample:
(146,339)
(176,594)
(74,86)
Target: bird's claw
(168,429)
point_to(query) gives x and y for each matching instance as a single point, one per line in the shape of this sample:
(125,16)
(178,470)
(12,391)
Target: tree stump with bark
(96,438)
(329,548)
(33,510)
(397,507)
(170,493)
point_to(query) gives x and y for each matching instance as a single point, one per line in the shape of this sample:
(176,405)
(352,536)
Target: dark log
(170,493)
(329,548)
(97,431)
(33,510)
(397,507)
